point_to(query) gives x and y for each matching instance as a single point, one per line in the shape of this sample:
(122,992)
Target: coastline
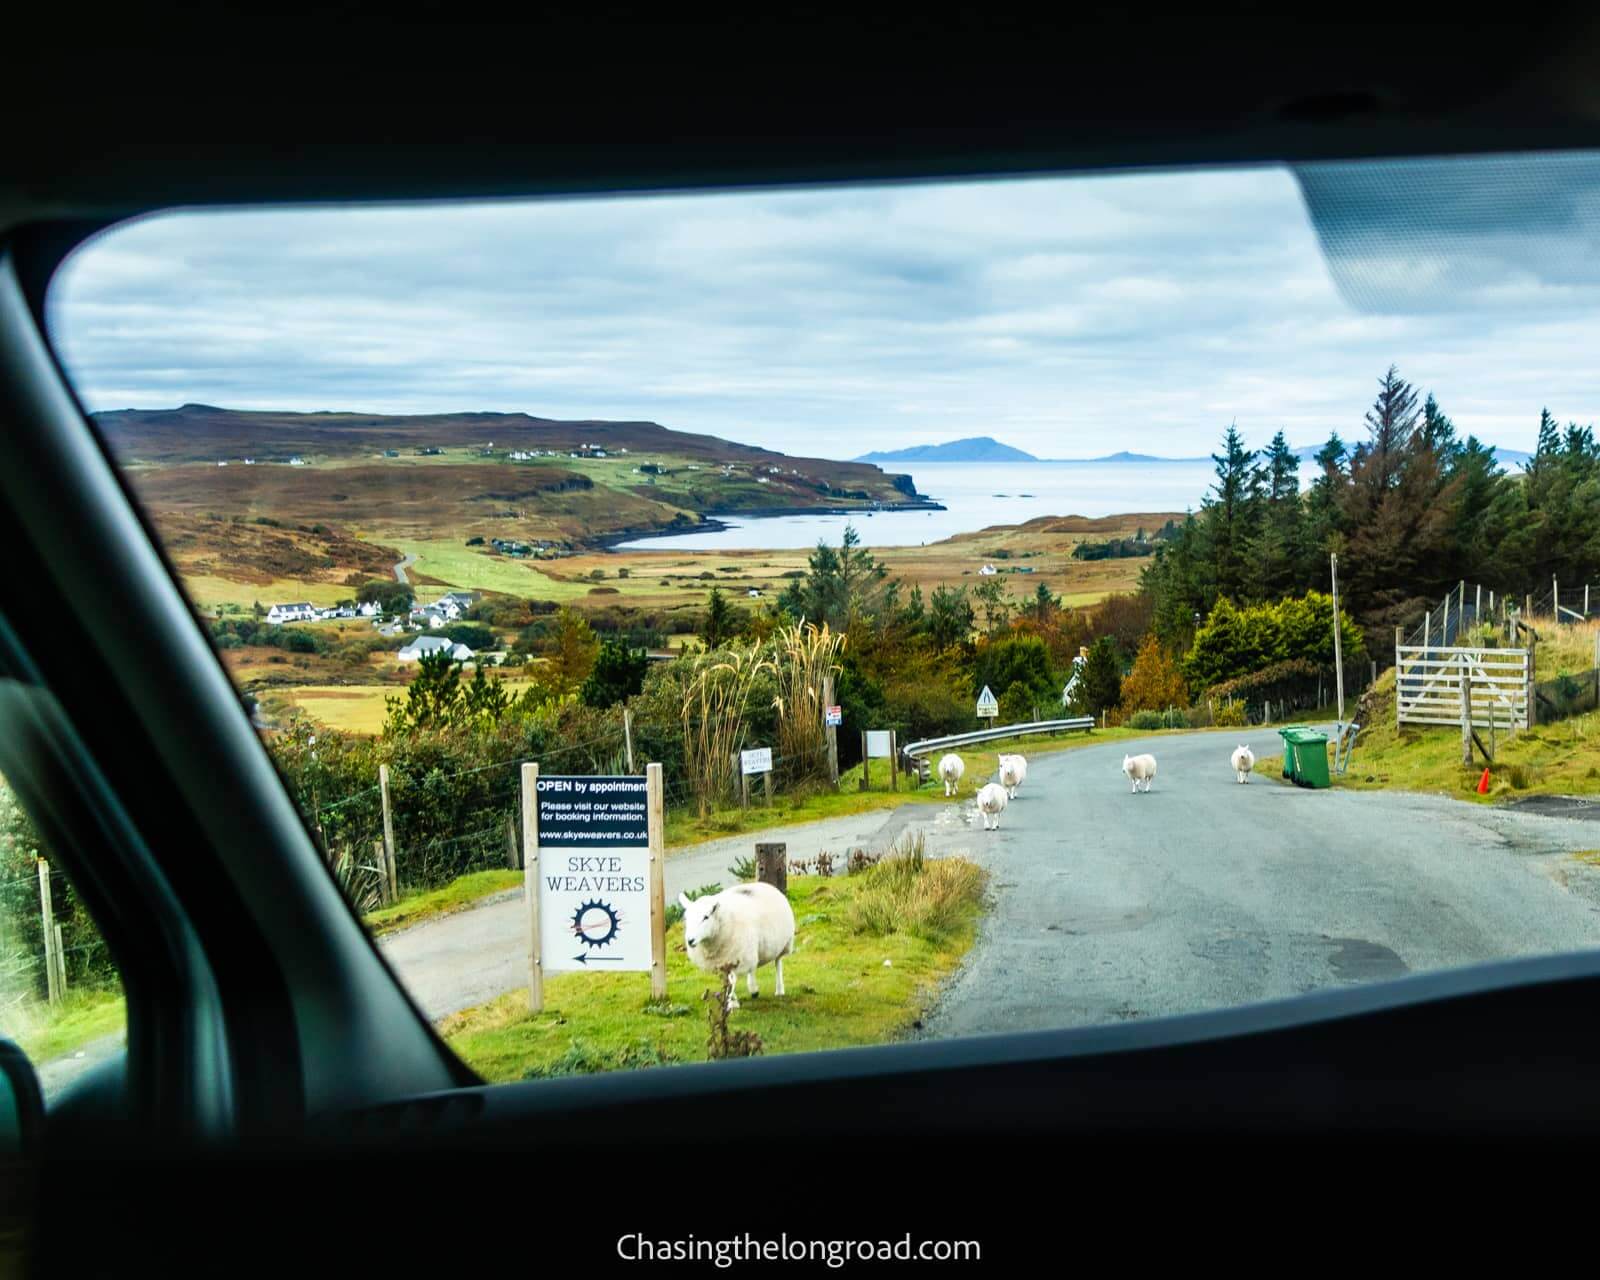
(711,523)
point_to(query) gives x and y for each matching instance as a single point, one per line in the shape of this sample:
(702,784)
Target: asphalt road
(1204,893)
(1106,906)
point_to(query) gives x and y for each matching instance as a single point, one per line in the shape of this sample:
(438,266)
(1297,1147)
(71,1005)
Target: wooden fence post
(627,735)
(1444,623)
(1533,697)
(766,786)
(1427,628)
(866,762)
(61,963)
(530,883)
(772,866)
(1555,598)
(831,730)
(894,764)
(1397,674)
(513,845)
(1477,607)
(47,914)
(655,792)
(1466,714)
(388,835)
(383,872)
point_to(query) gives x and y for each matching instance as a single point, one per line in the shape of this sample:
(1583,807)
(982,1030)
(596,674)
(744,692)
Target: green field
(472,569)
(845,986)
(210,592)
(354,708)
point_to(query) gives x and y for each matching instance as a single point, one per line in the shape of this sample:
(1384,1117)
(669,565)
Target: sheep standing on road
(1243,761)
(991,801)
(745,927)
(1139,770)
(951,767)
(1012,771)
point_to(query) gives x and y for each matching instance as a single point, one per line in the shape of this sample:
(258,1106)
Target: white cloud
(1065,316)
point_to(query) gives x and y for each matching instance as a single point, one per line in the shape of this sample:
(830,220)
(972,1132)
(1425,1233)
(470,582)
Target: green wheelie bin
(1309,749)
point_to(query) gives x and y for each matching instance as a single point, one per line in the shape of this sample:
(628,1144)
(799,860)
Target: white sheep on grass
(951,767)
(1140,771)
(1243,760)
(991,802)
(739,929)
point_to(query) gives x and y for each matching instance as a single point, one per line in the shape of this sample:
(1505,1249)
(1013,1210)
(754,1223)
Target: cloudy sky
(1067,317)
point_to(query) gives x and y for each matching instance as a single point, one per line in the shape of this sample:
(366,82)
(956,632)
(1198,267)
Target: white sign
(833,716)
(757,761)
(878,744)
(988,706)
(594,874)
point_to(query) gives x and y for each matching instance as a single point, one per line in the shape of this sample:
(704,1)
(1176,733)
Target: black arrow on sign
(585,959)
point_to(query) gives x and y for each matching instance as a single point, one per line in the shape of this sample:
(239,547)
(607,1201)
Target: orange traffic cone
(1483,784)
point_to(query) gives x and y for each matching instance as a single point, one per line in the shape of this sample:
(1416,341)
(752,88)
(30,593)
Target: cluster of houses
(444,610)
(250,462)
(510,547)
(437,613)
(304,612)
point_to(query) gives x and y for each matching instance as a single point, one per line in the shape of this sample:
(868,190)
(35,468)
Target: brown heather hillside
(204,433)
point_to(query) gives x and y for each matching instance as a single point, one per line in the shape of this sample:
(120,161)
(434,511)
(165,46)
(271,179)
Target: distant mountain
(1125,456)
(1505,457)
(973,449)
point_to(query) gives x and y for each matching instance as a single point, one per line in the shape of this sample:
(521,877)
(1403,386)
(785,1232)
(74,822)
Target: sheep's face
(702,923)
(1127,764)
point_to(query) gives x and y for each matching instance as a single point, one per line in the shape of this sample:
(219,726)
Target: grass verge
(847,985)
(45,1032)
(1547,759)
(458,895)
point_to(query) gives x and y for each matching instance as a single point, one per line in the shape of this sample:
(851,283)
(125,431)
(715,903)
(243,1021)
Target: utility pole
(1338,651)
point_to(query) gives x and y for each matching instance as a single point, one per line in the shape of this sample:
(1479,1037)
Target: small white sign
(878,744)
(757,761)
(988,705)
(833,716)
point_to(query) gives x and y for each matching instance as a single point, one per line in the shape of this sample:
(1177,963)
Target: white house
(988,571)
(433,644)
(303,612)
(371,609)
(754,593)
(297,462)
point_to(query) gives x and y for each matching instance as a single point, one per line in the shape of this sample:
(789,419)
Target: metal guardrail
(929,745)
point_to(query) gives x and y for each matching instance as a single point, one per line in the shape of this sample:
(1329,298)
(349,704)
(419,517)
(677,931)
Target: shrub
(1146,720)
(906,893)
(1235,642)
(1228,714)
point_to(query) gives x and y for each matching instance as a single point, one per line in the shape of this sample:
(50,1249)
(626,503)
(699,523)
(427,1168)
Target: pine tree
(1278,548)
(617,675)
(719,625)
(1232,515)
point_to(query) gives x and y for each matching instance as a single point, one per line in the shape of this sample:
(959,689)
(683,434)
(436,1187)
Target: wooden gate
(1427,681)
